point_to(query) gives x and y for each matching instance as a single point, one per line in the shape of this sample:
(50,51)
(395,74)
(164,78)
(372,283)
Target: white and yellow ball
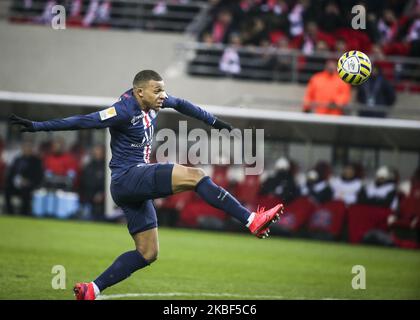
(354,67)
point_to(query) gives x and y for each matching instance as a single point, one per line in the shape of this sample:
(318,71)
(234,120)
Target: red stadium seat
(328,218)
(363,218)
(296,214)
(247,191)
(179,200)
(192,213)
(405,235)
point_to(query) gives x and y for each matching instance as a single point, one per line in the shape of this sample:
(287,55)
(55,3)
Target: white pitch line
(182,294)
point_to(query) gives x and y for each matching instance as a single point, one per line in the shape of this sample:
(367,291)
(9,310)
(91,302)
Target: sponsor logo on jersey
(108,113)
(143,143)
(136,119)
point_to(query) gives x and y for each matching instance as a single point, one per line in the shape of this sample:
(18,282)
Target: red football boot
(262,219)
(263,233)
(84,291)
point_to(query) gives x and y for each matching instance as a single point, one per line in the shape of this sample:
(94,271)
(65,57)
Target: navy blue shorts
(133,193)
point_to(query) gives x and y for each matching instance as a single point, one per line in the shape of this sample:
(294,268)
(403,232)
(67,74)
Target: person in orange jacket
(326,93)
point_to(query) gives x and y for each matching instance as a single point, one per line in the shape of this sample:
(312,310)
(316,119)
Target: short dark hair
(145,76)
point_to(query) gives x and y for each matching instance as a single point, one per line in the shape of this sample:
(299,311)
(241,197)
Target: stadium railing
(289,65)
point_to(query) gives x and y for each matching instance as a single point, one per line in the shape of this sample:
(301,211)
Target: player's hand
(26,125)
(220,124)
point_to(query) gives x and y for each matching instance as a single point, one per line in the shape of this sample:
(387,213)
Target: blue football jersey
(130,127)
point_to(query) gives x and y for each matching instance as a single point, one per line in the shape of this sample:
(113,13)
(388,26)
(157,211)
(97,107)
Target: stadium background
(47,73)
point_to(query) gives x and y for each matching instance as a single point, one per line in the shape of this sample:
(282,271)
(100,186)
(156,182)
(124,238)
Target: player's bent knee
(197,175)
(186,178)
(151,255)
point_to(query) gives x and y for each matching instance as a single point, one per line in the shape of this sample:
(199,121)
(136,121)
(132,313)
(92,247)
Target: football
(354,67)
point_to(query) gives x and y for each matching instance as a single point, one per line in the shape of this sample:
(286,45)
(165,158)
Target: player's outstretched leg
(146,252)
(186,178)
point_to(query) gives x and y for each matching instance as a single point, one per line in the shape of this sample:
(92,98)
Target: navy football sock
(221,199)
(122,268)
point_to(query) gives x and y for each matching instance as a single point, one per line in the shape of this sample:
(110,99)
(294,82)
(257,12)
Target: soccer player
(135,182)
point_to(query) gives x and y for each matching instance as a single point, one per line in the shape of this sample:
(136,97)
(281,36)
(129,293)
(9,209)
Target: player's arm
(189,109)
(96,120)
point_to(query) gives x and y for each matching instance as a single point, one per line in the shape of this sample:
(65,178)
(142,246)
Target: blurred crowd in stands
(261,35)
(104,13)
(33,175)
(321,205)
(53,180)
(78,12)
(392,26)
(273,40)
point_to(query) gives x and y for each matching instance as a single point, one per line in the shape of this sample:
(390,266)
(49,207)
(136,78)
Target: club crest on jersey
(136,119)
(108,113)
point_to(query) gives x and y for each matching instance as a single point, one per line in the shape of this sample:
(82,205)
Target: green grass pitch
(197,264)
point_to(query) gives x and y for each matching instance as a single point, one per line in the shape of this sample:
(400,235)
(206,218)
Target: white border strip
(199,295)
(235,112)
(186,294)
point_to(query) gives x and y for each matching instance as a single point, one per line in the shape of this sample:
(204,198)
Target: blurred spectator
(377,94)
(340,47)
(413,39)
(388,27)
(382,192)
(230,62)
(254,33)
(92,184)
(24,175)
(326,93)
(283,60)
(378,58)
(314,63)
(47,14)
(98,13)
(60,167)
(160,8)
(317,183)
(409,210)
(221,28)
(307,41)
(296,17)
(282,183)
(347,186)
(331,19)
